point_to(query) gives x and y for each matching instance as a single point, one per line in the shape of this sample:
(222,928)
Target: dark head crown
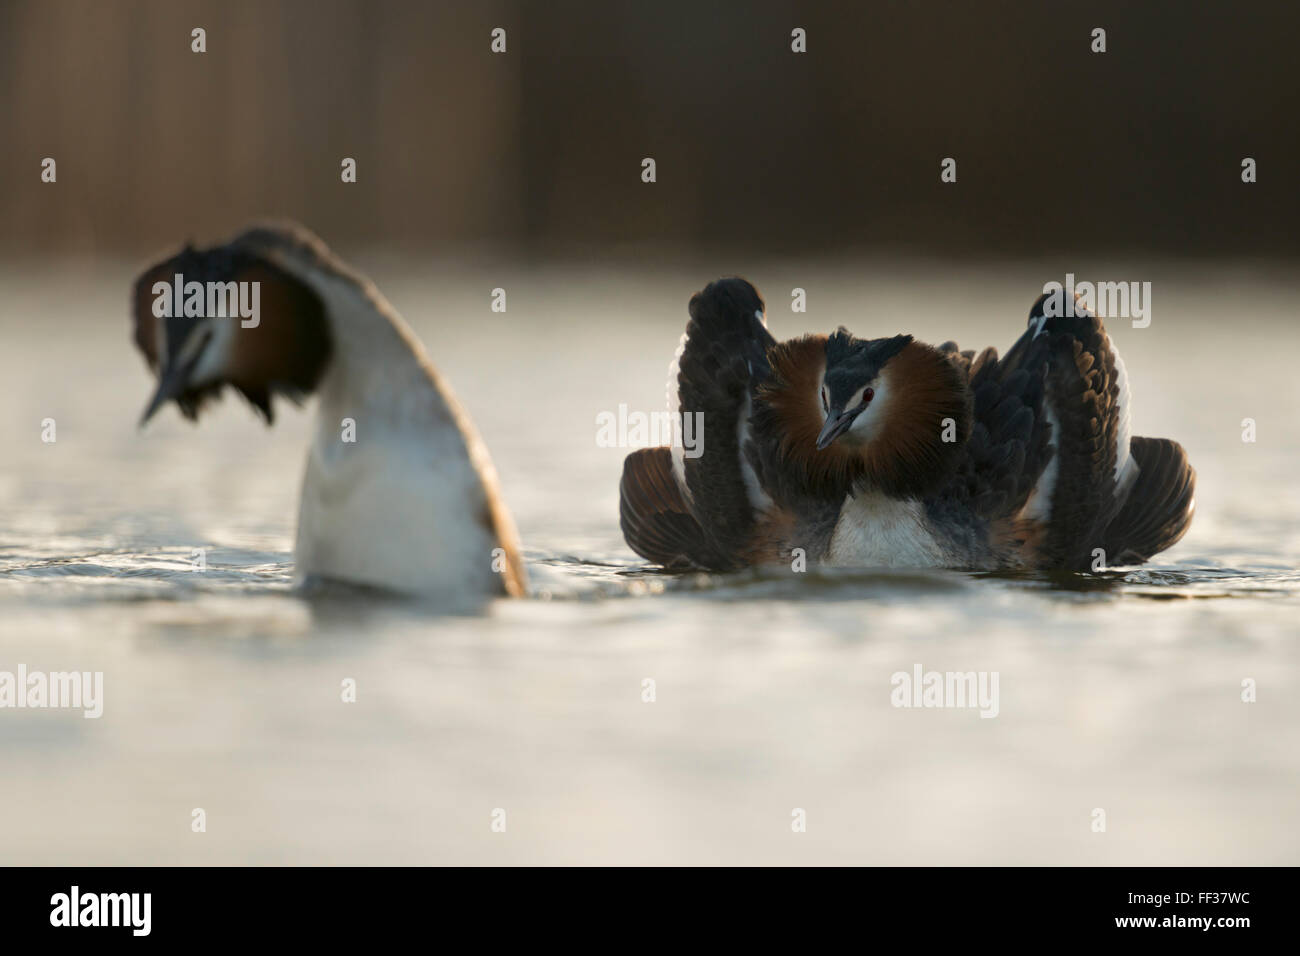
(850,361)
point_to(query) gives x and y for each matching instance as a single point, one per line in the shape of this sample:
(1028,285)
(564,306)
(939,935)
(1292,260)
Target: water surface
(1119,691)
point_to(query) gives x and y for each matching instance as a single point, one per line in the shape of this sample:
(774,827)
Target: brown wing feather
(1083,389)
(656,521)
(1158,510)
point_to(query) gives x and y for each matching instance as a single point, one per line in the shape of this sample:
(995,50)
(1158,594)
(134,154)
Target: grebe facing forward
(409,505)
(889,452)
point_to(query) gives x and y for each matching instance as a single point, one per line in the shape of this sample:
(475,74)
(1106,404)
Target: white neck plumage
(399,491)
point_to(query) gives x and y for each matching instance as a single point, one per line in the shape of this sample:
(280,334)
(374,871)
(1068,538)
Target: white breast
(395,513)
(875,531)
(404,507)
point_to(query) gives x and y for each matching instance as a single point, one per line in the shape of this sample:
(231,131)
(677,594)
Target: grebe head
(856,393)
(228,315)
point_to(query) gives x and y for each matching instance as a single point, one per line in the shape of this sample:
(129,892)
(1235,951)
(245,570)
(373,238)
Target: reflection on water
(1120,690)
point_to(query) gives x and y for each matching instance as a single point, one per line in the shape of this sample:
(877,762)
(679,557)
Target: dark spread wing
(1040,464)
(1083,392)
(1008,448)
(722,361)
(712,522)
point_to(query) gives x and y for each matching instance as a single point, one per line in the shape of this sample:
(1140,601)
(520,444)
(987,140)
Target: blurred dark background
(540,148)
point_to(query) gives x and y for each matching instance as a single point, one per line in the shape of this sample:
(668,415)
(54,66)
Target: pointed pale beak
(170,384)
(837,423)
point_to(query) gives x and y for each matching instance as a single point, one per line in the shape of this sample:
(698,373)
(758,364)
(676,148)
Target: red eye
(868,394)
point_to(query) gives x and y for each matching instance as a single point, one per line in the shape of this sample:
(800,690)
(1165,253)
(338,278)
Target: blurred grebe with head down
(411,505)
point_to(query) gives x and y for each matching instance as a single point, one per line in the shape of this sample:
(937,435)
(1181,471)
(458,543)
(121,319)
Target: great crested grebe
(889,452)
(411,505)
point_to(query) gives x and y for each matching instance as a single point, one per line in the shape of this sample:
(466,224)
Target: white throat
(869,423)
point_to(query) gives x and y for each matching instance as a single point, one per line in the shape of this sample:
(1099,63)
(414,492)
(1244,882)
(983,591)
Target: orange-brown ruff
(926,392)
(888,451)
